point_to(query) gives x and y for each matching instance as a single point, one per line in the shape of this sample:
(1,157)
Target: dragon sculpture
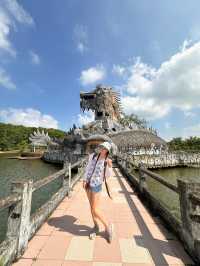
(104,101)
(38,138)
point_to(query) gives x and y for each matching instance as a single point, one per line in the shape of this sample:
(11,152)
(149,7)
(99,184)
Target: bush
(14,137)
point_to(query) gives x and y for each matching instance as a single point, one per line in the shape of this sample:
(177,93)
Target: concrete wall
(164,160)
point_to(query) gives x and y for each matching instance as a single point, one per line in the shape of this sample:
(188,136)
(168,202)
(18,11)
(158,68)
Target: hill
(14,137)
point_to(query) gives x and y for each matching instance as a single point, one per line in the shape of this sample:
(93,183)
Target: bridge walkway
(139,240)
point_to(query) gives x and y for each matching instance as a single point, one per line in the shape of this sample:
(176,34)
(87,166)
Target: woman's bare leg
(89,195)
(98,214)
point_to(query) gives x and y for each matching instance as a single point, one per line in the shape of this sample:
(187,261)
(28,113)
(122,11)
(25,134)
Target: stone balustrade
(21,225)
(172,159)
(188,228)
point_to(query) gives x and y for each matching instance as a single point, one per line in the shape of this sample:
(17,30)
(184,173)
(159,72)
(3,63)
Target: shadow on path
(66,223)
(156,247)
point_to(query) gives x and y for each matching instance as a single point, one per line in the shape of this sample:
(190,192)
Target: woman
(98,165)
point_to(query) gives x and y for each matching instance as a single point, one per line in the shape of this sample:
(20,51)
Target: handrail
(9,200)
(21,224)
(187,227)
(169,159)
(160,179)
(123,159)
(155,176)
(44,181)
(195,198)
(40,183)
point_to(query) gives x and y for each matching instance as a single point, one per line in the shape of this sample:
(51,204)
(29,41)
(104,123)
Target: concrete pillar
(142,178)
(69,179)
(190,214)
(19,215)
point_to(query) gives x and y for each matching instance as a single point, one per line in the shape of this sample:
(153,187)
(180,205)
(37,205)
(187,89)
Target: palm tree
(133,120)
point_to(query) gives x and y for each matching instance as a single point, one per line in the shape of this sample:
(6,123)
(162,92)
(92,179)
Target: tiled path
(140,239)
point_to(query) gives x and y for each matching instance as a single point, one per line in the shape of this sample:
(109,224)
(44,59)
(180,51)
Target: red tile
(45,230)
(141,264)
(34,246)
(73,228)
(47,263)
(77,263)
(104,251)
(173,260)
(23,262)
(161,251)
(55,248)
(63,206)
(126,230)
(180,252)
(57,213)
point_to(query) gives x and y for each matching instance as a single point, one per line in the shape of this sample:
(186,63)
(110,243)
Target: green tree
(188,144)
(17,137)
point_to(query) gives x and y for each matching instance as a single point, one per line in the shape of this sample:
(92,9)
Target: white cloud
(154,92)
(119,70)
(92,75)
(81,47)
(85,118)
(5,24)
(28,117)
(35,59)
(140,78)
(18,12)
(10,13)
(146,108)
(81,38)
(185,45)
(189,114)
(5,80)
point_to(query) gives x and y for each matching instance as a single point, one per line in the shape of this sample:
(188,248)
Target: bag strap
(94,166)
(104,178)
(105,165)
(104,171)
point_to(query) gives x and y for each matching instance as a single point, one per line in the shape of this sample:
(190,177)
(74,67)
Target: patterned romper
(97,177)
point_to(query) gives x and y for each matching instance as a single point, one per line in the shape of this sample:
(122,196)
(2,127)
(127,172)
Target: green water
(13,169)
(167,197)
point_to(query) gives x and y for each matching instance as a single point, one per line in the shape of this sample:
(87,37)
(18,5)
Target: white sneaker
(94,232)
(110,232)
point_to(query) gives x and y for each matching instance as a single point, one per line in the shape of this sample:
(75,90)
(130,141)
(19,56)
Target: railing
(21,225)
(188,228)
(167,159)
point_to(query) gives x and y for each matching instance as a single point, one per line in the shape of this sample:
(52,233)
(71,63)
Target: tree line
(188,144)
(14,137)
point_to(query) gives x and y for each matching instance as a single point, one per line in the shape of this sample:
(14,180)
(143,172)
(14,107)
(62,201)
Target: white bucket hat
(106,145)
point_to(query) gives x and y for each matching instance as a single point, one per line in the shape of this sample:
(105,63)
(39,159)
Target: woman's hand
(109,162)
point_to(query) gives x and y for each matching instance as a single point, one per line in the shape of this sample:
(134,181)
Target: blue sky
(148,50)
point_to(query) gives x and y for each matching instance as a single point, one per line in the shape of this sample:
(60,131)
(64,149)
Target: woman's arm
(109,170)
(86,172)
(87,167)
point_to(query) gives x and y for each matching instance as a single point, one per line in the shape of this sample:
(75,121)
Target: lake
(13,169)
(167,197)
